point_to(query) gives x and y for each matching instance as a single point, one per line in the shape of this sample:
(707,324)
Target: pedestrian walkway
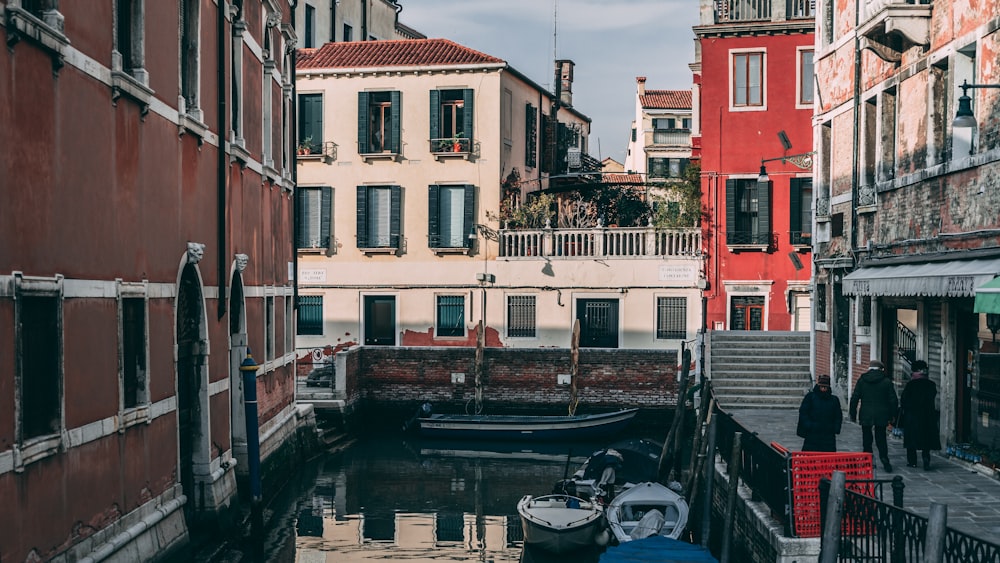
(973,499)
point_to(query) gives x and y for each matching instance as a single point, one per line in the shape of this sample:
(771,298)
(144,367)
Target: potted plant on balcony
(456,142)
(305,146)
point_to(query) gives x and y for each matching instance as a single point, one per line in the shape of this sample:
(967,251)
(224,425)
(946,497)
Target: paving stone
(973,499)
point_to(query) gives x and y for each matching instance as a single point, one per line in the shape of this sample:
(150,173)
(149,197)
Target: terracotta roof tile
(406,52)
(623,179)
(666,99)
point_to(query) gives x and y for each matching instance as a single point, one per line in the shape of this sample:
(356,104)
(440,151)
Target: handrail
(906,343)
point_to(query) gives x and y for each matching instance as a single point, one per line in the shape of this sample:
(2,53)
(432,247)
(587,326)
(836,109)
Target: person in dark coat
(919,419)
(820,418)
(875,392)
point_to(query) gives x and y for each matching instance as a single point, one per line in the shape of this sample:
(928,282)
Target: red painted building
(146,208)
(753,105)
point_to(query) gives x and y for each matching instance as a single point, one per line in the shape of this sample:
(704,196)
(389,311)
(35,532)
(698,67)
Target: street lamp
(964,116)
(803,161)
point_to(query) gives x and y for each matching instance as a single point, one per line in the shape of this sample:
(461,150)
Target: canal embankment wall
(511,380)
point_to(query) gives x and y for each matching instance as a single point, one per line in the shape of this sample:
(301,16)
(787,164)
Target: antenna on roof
(555,33)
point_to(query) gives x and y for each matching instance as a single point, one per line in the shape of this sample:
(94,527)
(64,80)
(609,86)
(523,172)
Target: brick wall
(513,378)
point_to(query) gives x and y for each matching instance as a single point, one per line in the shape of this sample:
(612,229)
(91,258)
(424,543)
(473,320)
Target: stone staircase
(759,369)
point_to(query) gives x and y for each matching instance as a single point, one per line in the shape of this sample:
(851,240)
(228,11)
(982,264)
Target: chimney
(641,82)
(564,82)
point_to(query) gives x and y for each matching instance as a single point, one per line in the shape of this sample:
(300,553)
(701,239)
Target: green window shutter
(763,236)
(325,209)
(467,114)
(468,224)
(435,124)
(302,199)
(362,217)
(731,211)
(396,112)
(363,135)
(795,205)
(434,216)
(395,216)
(311,118)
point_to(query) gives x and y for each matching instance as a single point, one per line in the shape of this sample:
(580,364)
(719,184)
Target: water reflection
(389,499)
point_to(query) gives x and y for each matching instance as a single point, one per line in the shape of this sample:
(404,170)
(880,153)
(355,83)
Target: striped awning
(952,278)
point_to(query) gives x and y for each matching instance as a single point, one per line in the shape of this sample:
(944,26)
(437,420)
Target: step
(755,366)
(744,401)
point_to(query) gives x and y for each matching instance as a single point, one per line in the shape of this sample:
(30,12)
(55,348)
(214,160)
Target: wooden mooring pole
(829,547)
(734,484)
(937,527)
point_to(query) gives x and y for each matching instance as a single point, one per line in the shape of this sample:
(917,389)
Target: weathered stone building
(907,227)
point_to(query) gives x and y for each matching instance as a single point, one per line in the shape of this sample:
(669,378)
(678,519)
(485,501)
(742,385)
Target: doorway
(380,320)
(966,340)
(192,385)
(747,312)
(598,322)
(237,352)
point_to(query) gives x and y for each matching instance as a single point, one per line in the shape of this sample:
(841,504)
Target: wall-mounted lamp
(993,323)
(484,230)
(964,116)
(803,161)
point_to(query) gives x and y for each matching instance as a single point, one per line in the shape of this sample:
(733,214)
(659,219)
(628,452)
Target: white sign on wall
(317,275)
(679,273)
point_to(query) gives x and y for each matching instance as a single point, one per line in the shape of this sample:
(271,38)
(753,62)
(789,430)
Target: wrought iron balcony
(451,146)
(326,150)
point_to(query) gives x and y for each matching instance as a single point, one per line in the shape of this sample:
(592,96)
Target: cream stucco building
(412,147)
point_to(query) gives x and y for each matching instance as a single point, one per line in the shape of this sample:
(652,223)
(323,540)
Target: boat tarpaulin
(953,278)
(658,549)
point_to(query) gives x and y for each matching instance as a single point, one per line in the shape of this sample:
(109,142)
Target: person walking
(918,416)
(877,396)
(820,418)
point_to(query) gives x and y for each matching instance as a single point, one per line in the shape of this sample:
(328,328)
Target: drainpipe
(223,160)
(855,152)
(333,19)
(249,369)
(293,137)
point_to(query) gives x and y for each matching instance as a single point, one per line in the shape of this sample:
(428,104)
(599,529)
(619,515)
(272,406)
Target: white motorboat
(562,523)
(647,509)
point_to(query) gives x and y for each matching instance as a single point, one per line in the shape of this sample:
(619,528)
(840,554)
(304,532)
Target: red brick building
(907,236)
(753,100)
(146,208)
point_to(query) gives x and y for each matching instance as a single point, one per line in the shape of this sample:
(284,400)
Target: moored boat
(647,509)
(525,427)
(562,523)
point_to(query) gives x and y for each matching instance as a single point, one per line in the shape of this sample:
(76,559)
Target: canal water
(393,497)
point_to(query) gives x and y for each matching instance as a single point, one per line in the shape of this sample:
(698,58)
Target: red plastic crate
(807,468)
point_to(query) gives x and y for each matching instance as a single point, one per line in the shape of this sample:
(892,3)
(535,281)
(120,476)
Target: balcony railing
(676,137)
(872,7)
(324,150)
(600,242)
(451,145)
(800,238)
(728,11)
(910,18)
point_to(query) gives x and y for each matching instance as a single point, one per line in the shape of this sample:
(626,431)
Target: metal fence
(763,468)
(872,530)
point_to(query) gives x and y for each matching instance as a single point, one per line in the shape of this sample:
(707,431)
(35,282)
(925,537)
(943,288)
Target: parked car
(321,376)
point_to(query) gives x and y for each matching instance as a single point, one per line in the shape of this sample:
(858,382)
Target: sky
(610,41)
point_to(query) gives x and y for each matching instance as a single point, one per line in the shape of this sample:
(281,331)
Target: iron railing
(906,343)
(459,145)
(763,468)
(872,530)
(321,150)
(800,238)
(748,237)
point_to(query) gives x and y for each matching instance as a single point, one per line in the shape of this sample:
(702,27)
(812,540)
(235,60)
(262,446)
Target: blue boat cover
(658,549)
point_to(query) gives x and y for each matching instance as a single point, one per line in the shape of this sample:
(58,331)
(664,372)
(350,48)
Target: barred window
(310,318)
(521,316)
(821,302)
(450,315)
(865,311)
(671,317)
